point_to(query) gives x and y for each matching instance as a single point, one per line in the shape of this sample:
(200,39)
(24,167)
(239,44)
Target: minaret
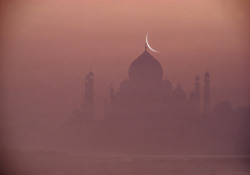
(197,93)
(89,95)
(206,102)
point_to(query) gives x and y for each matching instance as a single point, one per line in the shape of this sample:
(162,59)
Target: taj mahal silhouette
(145,94)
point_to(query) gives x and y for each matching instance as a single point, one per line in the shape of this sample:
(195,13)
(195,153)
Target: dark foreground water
(54,163)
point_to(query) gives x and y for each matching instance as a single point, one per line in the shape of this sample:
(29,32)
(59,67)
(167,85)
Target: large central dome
(145,69)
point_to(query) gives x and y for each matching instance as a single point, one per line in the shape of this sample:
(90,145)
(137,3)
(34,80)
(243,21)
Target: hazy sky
(50,45)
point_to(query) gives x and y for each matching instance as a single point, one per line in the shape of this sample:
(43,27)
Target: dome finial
(145,68)
(146,46)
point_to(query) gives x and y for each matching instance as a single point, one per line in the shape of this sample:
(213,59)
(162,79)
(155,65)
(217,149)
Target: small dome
(167,84)
(145,69)
(207,75)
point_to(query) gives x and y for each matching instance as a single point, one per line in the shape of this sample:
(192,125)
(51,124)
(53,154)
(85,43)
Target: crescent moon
(149,45)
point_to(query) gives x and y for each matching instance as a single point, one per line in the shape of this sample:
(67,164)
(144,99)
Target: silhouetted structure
(197,93)
(146,94)
(89,96)
(206,107)
(194,97)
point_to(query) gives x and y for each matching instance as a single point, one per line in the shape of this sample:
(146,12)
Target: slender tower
(89,96)
(197,93)
(206,99)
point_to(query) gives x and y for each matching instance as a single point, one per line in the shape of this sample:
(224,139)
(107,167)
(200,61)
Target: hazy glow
(49,47)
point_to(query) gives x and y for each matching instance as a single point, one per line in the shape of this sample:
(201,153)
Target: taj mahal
(145,94)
